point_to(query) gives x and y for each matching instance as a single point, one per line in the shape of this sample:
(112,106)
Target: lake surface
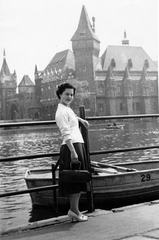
(17,210)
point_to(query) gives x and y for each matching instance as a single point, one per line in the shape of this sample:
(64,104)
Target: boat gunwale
(135,162)
(94,176)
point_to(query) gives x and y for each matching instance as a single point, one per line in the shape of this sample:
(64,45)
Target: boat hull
(108,190)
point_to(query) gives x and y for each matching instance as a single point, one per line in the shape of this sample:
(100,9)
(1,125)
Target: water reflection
(134,134)
(17,209)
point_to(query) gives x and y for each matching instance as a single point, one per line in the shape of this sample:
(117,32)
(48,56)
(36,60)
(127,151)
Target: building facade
(124,80)
(28,104)
(17,106)
(127,82)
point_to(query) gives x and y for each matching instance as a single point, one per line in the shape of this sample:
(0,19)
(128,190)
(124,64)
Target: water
(17,210)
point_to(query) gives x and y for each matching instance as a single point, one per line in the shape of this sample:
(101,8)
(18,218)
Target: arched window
(101,89)
(100,107)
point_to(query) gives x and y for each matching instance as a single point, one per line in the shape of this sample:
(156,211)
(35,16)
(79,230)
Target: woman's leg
(74,212)
(74,202)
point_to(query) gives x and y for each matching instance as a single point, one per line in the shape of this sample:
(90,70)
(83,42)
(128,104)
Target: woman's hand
(74,156)
(84,122)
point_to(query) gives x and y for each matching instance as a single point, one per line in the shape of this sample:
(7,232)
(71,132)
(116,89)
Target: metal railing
(17,158)
(54,186)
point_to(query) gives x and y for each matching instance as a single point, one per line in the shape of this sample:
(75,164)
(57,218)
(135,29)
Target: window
(154,105)
(137,89)
(100,107)
(118,89)
(101,89)
(133,106)
(136,106)
(152,89)
(82,34)
(121,106)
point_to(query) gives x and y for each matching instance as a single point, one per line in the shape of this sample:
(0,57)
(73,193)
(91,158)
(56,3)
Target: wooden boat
(119,126)
(122,184)
(101,127)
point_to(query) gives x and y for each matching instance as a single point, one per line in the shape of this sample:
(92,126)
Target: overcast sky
(33,31)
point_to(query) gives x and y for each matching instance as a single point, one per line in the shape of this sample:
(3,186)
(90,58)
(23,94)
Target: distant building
(8,85)
(17,106)
(60,69)
(124,80)
(29,108)
(127,82)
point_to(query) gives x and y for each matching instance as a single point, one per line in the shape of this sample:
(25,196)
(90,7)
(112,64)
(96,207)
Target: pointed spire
(84,29)
(5,69)
(112,63)
(146,63)
(130,65)
(127,74)
(4,53)
(110,75)
(36,69)
(144,75)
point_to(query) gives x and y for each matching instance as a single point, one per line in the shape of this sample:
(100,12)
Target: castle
(124,80)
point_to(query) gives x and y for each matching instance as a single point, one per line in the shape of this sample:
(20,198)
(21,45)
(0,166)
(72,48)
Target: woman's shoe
(81,218)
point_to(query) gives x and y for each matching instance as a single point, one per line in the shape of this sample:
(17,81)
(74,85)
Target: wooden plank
(99,164)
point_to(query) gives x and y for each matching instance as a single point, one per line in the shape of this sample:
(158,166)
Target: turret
(125,41)
(5,69)
(86,47)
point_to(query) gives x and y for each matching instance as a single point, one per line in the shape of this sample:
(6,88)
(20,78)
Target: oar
(104,170)
(113,166)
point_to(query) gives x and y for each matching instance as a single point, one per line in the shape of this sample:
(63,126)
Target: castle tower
(8,85)
(86,47)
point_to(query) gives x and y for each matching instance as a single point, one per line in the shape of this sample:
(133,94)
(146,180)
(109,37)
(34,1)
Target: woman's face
(67,96)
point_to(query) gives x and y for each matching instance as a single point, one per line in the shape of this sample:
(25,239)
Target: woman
(72,148)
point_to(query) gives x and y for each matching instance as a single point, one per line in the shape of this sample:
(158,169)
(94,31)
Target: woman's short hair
(62,87)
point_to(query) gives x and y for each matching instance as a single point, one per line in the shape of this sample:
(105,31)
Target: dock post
(84,131)
(54,190)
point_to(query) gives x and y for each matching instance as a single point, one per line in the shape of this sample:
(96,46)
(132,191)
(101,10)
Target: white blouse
(68,124)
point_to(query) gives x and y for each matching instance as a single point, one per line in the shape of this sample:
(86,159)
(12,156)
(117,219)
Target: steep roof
(61,60)
(122,54)
(5,69)
(84,30)
(26,81)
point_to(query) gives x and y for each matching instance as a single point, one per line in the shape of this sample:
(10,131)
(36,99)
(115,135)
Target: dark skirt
(65,189)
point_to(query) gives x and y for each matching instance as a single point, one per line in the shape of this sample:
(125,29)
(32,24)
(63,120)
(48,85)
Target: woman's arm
(64,127)
(74,156)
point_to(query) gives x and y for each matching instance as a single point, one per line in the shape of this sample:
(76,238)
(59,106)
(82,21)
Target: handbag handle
(75,165)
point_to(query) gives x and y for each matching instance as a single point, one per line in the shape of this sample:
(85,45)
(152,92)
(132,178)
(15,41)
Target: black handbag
(74,174)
